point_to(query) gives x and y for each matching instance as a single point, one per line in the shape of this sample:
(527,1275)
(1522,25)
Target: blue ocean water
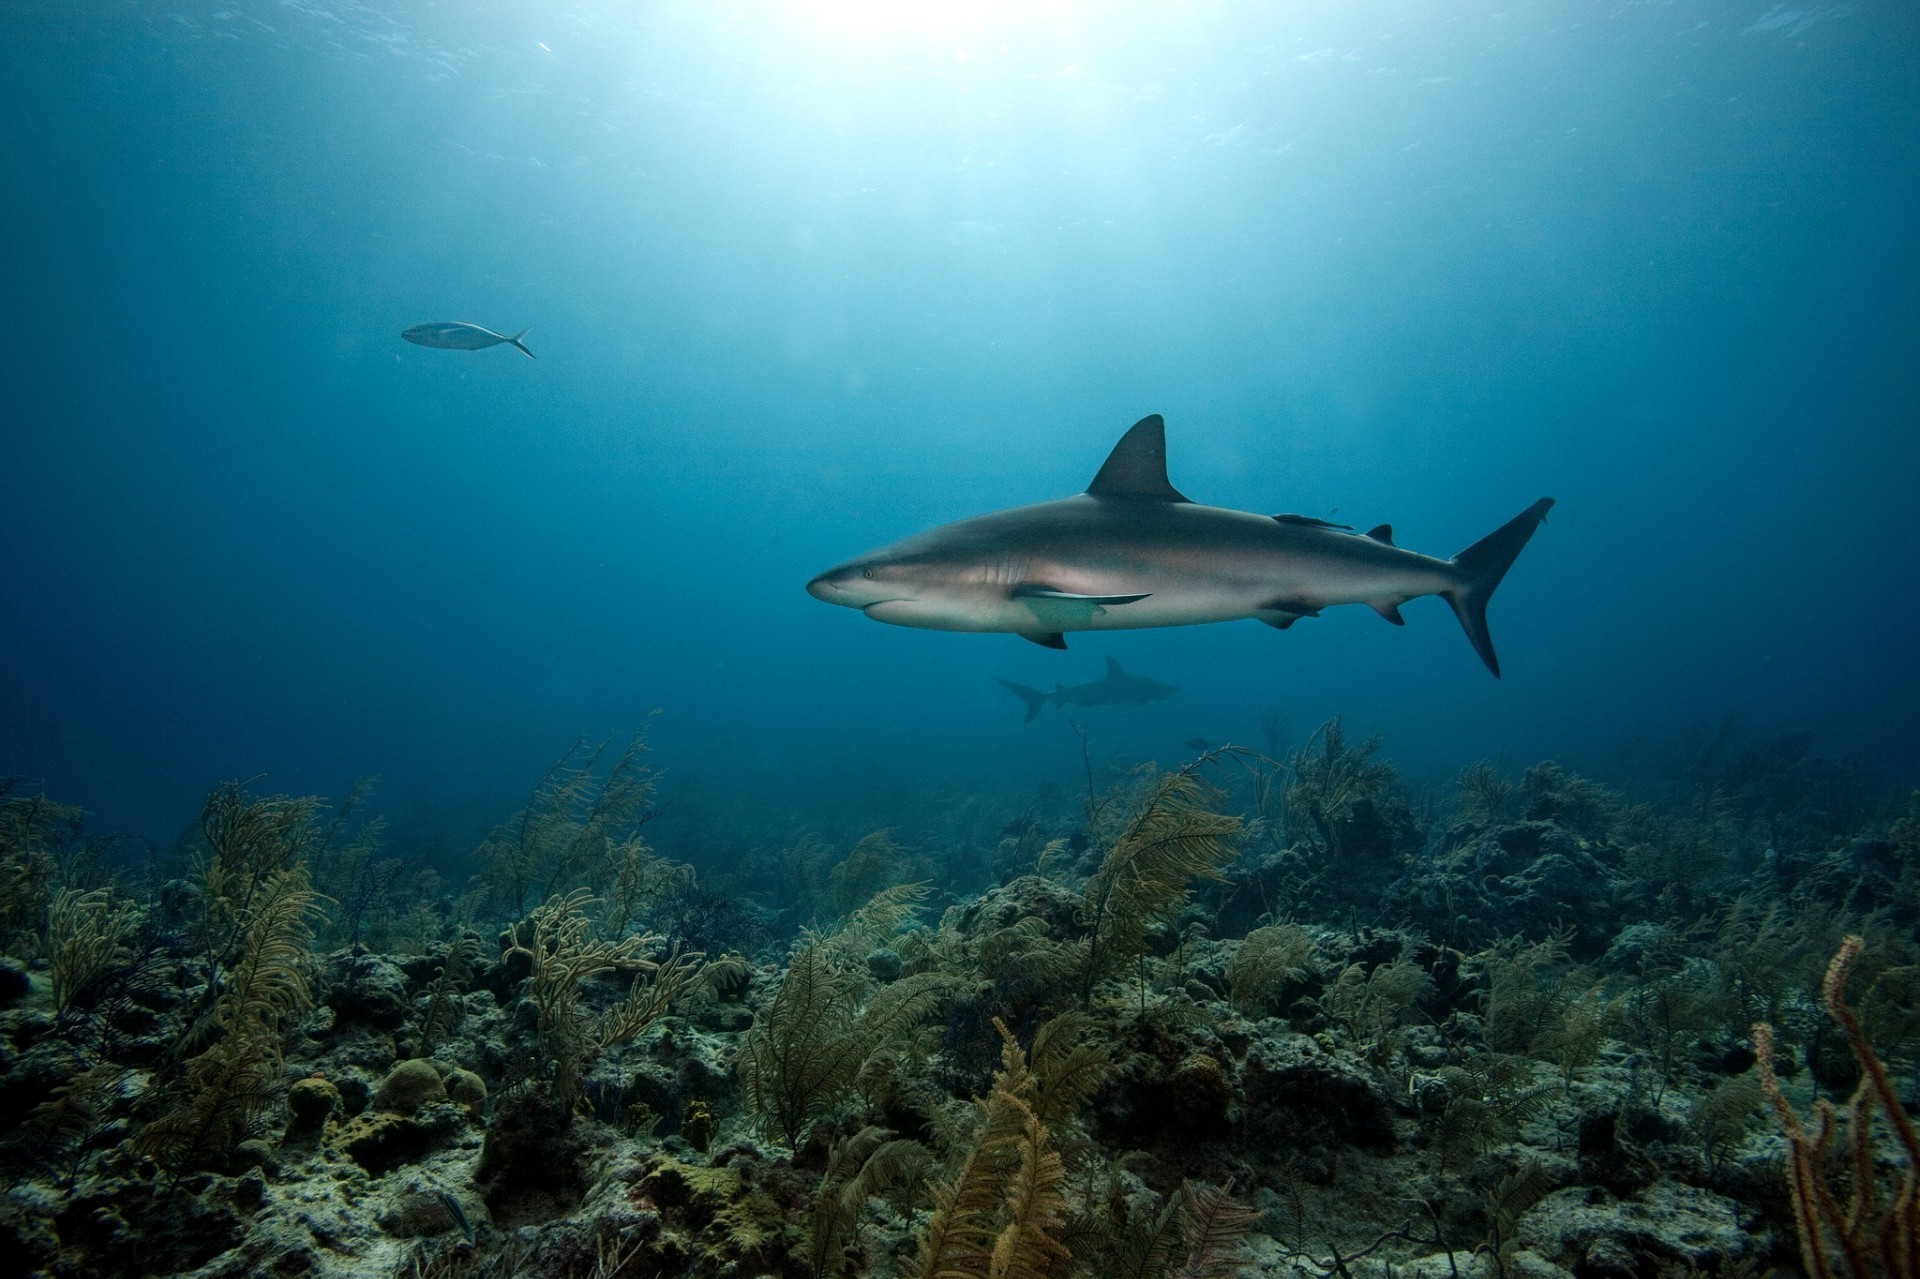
(807,277)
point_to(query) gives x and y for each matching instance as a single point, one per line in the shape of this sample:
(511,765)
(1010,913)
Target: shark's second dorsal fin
(1137,467)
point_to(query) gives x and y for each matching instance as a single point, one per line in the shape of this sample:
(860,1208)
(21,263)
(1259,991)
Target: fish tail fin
(515,339)
(1481,566)
(1033,697)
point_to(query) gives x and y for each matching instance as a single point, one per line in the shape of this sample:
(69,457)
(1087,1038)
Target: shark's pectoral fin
(1391,612)
(1299,608)
(1067,611)
(1051,639)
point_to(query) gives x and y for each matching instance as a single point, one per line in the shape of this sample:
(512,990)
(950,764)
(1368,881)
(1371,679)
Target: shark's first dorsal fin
(1113,669)
(1137,467)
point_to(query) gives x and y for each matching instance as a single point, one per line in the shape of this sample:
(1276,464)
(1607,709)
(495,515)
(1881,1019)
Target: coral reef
(1286,1015)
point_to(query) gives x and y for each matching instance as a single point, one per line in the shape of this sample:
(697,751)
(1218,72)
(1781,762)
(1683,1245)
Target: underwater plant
(1265,959)
(444,1011)
(870,1163)
(1721,1118)
(34,831)
(641,879)
(563,953)
(348,868)
(808,1043)
(565,836)
(1506,1202)
(874,864)
(1174,837)
(1001,1215)
(1371,1007)
(1331,776)
(253,844)
(87,933)
(1543,1006)
(1195,1234)
(63,1127)
(1877,1232)
(1485,794)
(1489,1096)
(220,1094)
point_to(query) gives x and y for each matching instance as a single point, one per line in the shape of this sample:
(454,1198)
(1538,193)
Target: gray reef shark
(1115,688)
(1132,551)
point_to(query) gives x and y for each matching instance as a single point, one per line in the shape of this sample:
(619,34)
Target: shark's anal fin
(1299,608)
(1051,639)
(1137,467)
(1278,621)
(1391,612)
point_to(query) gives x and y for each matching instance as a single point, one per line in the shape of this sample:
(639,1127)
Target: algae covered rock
(464,1088)
(368,990)
(310,1103)
(411,1085)
(532,1165)
(382,1141)
(1668,1224)
(14,982)
(740,1216)
(1296,1095)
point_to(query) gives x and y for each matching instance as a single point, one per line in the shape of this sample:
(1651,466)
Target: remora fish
(1132,551)
(1115,688)
(454,335)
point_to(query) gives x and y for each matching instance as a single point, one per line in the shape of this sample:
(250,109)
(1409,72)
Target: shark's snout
(823,588)
(849,584)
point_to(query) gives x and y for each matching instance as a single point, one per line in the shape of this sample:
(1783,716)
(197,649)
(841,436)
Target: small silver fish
(459,1215)
(454,335)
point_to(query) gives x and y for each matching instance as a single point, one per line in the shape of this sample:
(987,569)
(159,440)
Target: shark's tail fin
(515,339)
(1033,697)
(1482,565)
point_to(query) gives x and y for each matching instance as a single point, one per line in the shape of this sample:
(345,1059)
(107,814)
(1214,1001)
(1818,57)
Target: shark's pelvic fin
(1482,565)
(1137,467)
(1298,608)
(1045,639)
(1278,621)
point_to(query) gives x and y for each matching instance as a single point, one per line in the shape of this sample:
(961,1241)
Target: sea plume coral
(1877,1232)
(1175,836)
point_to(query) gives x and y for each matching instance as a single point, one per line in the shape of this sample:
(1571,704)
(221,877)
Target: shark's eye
(867,573)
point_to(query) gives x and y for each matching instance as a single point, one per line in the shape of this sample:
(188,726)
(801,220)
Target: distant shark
(1132,551)
(1115,688)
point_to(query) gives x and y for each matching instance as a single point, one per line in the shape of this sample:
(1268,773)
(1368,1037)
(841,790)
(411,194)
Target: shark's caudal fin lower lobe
(1483,565)
(515,339)
(1033,697)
